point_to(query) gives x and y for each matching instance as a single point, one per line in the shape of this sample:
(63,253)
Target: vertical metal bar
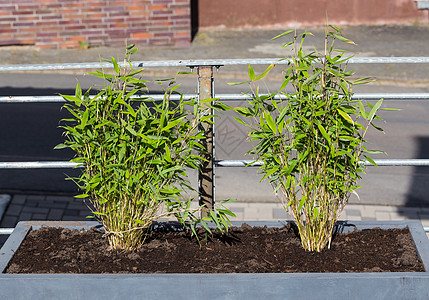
(206,174)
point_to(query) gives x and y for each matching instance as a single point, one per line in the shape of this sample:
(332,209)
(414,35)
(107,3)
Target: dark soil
(245,250)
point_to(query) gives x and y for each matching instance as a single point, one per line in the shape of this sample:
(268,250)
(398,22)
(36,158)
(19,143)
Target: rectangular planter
(386,285)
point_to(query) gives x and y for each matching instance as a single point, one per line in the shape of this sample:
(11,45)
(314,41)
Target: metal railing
(206,90)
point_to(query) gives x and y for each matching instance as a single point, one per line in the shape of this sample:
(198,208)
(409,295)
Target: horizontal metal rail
(39,165)
(205,62)
(218,163)
(6,231)
(223,97)
(379,162)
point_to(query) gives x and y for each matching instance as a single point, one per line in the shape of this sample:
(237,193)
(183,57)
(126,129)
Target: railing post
(206,175)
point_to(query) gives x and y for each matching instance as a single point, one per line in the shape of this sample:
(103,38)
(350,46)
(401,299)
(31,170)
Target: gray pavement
(406,189)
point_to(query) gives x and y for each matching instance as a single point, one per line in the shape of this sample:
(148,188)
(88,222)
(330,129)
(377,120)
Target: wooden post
(206,175)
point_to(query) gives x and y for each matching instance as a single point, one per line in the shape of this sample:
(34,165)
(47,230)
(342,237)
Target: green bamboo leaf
(312,77)
(251,73)
(283,34)
(85,118)
(302,202)
(341,38)
(265,73)
(364,80)
(115,65)
(345,116)
(370,160)
(172,124)
(374,110)
(270,122)
(238,83)
(78,91)
(324,133)
(60,146)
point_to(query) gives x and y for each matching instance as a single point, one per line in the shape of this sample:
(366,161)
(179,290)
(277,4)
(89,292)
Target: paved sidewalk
(23,207)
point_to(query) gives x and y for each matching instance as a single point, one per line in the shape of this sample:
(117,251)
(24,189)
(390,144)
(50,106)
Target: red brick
(31,29)
(74,27)
(28,18)
(182,33)
(77,38)
(7,19)
(21,12)
(181,12)
(141,35)
(8,41)
(46,23)
(23,24)
(47,34)
(157,7)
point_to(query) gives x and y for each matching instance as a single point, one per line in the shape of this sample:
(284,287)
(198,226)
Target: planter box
(406,285)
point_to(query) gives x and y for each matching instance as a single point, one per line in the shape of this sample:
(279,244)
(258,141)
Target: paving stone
(25,216)
(382,216)
(71,212)
(73,218)
(85,213)
(77,206)
(9,221)
(368,219)
(251,213)
(61,198)
(353,213)
(35,198)
(236,209)
(52,204)
(14,210)
(354,218)
(264,212)
(398,216)
(239,217)
(280,214)
(423,216)
(18,199)
(31,204)
(39,217)
(55,214)
(36,210)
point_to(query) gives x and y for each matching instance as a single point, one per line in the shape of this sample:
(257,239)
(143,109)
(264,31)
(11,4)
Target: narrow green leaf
(374,110)
(60,146)
(345,116)
(282,34)
(370,160)
(251,73)
(265,73)
(302,202)
(341,38)
(115,65)
(270,122)
(324,133)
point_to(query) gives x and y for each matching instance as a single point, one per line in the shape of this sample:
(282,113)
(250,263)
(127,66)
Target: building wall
(251,13)
(63,23)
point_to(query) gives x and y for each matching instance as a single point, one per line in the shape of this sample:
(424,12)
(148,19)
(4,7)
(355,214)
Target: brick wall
(63,23)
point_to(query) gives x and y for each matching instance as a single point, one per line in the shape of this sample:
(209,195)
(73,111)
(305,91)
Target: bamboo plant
(136,152)
(311,140)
